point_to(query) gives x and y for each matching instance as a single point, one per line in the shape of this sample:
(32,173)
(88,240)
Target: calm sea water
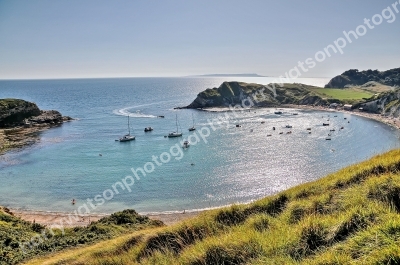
(232,165)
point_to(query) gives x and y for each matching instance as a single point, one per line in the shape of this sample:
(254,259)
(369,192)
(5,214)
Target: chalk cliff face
(244,94)
(354,77)
(387,103)
(15,112)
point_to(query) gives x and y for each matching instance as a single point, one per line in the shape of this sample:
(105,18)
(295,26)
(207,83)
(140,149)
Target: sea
(223,165)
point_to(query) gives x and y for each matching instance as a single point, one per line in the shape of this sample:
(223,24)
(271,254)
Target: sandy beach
(68,219)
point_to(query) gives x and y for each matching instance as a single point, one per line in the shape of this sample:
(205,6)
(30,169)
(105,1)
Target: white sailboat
(127,137)
(192,128)
(176,133)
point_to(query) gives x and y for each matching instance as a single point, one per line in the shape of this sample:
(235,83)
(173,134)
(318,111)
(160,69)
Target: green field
(343,94)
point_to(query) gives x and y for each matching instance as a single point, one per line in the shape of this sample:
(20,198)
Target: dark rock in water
(354,77)
(47,116)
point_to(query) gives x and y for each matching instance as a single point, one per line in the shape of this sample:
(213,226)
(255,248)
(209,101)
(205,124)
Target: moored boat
(127,137)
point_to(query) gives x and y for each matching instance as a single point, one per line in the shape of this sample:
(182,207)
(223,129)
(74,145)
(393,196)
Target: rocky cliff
(244,94)
(18,112)
(354,77)
(20,121)
(387,103)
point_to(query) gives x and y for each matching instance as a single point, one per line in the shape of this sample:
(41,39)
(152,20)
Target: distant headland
(229,75)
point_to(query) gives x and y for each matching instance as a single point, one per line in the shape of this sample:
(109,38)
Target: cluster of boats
(309,128)
(128,137)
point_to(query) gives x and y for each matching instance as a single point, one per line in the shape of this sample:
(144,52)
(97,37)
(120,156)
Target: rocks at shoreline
(354,77)
(20,121)
(51,117)
(18,112)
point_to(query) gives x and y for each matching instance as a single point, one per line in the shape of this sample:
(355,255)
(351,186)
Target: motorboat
(186,144)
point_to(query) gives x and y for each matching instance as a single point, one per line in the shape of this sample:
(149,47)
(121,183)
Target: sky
(129,38)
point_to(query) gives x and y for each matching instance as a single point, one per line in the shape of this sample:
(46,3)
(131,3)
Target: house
(347,107)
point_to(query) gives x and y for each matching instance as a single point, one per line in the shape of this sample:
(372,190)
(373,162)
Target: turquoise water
(229,165)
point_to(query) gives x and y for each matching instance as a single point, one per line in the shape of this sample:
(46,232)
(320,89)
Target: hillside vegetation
(354,77)
(20,240)
(349,217)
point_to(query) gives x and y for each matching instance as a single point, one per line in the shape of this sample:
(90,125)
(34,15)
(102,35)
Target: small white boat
(127,137)
(289,126)
(328,138)
(148,129)
(186,144)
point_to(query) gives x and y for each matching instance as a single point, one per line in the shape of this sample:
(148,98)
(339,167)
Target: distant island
(229,75)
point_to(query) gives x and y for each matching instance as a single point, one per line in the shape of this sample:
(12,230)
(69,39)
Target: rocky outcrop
(14,111)
(249,95)
(20,121)
(18,112)
(387,103)
(353,77)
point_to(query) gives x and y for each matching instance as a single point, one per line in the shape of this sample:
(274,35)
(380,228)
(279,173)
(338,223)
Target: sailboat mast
(129,127)
(176,122)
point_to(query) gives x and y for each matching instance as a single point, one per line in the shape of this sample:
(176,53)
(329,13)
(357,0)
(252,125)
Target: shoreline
(54,218)
(391,121)
(19,137)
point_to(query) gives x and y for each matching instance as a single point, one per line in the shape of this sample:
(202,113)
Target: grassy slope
(344,94)
(349,217)
(14,231)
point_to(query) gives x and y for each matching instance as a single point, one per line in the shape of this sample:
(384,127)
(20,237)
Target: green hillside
(21,240)
(349,217)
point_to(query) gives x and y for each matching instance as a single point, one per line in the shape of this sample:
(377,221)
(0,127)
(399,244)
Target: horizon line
(121,77)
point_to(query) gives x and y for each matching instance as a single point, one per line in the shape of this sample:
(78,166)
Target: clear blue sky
(96,38)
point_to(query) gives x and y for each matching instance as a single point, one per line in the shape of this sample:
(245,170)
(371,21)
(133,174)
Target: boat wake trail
(136,114)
